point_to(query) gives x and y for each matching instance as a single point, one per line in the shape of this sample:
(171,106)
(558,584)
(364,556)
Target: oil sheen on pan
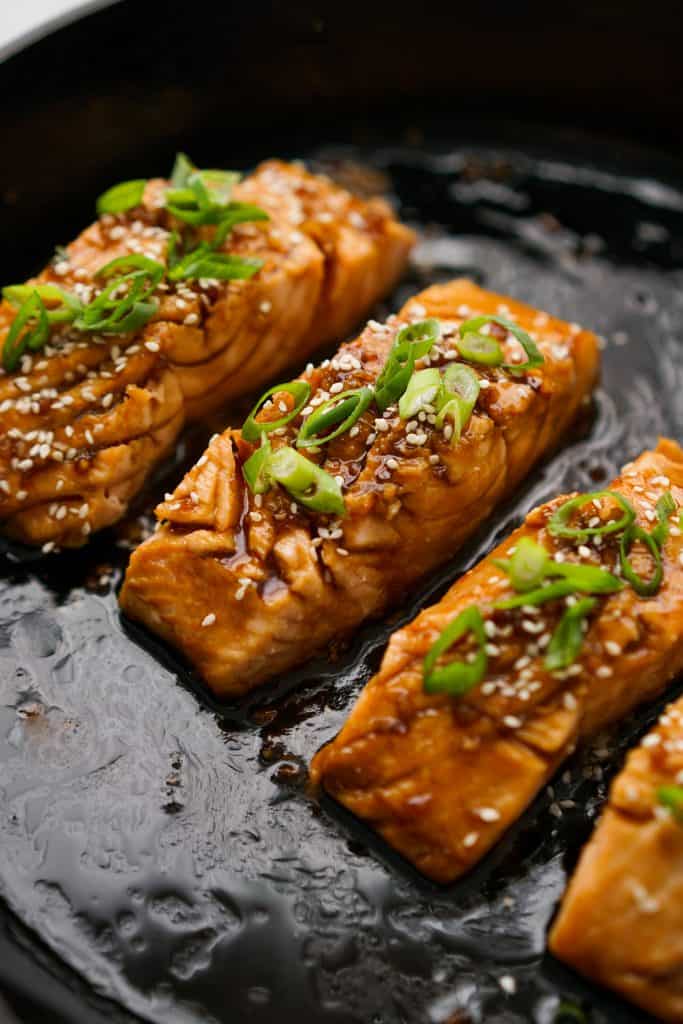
(168,852)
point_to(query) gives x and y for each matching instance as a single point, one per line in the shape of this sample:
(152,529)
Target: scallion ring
(527,567)
(122,197)
(252,428)
(307,483)
(558,524)
(30,330)
(631,536)
(567,639)
(340,411)
(457,397)
(423,388)
(488,353)
(458,677)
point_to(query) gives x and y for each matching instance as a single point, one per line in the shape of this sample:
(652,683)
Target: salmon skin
(247,585)
(442,777)
(83,421)
(621,920)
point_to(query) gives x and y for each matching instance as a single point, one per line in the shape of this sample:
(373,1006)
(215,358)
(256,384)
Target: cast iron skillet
(161,856)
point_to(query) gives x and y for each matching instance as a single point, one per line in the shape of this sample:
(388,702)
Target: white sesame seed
(470,839)
(613,648)
(209,619)
(508,984)
(512,722)
(488,813)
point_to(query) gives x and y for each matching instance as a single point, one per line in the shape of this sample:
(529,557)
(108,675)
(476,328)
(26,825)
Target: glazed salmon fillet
(247,585)
(84,419)
(621,920)
(442,761)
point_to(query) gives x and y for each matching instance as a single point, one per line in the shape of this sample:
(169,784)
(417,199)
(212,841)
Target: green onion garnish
(114,313)
(30,330)
(666,506)
(423,387)
(457,677)
(410,344)
(590,579)
(561,517)
(549,592)
(530,564)
(307,483)
(203,197)
(482,348)
(567,639)
(642,587)
(253,429)
(672,798)
(457,398)
(341,411)
(122,197)
(60,306)
(205,262)
(527,566)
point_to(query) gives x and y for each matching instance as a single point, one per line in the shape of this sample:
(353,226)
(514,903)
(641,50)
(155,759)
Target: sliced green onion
(590,579)
(340,411)
(253,429)
(422,336)
(527,568)
(134,265)
(480,348)
(457,677)
(423,387)
(642,587)
(122,197)
(549,592)
(67,306)
(30,330)
(307,483)
(257,468)
(233,214)
(567,639)
(672,798)
(410,344)
(485,349)
(666,506)
(457,398)
(205,262)
(559,526)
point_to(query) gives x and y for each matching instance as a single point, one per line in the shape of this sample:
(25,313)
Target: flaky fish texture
(441,778)
(247,586)
(621,920)
(83,421)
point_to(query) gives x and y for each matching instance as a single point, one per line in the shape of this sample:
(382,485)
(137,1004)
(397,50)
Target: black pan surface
(165,854)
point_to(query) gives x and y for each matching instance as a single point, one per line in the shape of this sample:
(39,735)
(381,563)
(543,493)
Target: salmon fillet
(621,920)
(442,777)
(84,420)
(246,586)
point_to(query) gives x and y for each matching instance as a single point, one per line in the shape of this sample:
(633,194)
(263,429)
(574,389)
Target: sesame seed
(508,984)
(488,813)
(209,619)
(613,648)
(470,839)
(512,722)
